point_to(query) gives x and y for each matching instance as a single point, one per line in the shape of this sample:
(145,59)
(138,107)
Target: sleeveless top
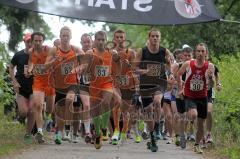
(126,79)
(101,69)
(195,85)
(38,60)
(61,76)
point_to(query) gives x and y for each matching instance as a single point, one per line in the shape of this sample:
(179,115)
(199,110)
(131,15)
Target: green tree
(18,20)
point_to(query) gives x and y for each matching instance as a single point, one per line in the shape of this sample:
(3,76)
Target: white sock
(87,126)
(40,130)
(145,127)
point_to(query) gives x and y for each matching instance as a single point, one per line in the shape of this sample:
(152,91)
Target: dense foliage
(18,20)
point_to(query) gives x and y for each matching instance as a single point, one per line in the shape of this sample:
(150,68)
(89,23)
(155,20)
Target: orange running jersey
(61,75)
(102,70)
(38,60)
(126,79)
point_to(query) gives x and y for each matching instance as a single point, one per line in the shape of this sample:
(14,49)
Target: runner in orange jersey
(124,86)
(62,59)
(38,55)
(103,65)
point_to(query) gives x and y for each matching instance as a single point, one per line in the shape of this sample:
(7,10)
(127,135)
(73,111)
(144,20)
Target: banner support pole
(229,21)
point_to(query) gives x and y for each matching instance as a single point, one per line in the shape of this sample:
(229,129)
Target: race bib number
(154,70)
(66,68)
(25,69)
(196,85)
(86,78)
(123,80)
(39,69)
(102,71)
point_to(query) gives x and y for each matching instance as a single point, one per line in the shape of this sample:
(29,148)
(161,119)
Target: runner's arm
(116,63)
(79,54)
(77,50)
(175,68)
(84,61)
(210,75)
(51,58)
(115,56)
(131,59)
(210,71)
(132,56)
(12,66)
(137,61)
(217,78)
(30,64)
(180,72)
(11,73)
(87,60)
(168,61)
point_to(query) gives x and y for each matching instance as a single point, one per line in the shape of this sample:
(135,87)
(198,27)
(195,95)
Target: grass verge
(11,136)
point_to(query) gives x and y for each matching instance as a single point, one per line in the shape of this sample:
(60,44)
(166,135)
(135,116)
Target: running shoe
(153,146)
(138,139)
(75,138)
(209,138)
(98,142)
(145,135)
(115,137)
(198,149)
(39,137)
(192,138)
(58,138)
(66,136)
(177,140)
(129,135)
(88,138)
(165,137)
(169,141)
(183,142)
(104,135)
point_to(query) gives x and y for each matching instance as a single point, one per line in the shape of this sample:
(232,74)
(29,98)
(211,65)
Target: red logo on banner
(188,8)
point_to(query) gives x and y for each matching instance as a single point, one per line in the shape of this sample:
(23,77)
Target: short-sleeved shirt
(20,60)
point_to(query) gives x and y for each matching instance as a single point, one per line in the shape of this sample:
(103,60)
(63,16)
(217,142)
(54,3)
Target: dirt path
(129,150)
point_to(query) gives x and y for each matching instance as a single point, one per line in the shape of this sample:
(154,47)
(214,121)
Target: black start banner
(148,12)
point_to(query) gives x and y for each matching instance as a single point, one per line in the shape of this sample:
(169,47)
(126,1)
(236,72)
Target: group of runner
(113,89)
